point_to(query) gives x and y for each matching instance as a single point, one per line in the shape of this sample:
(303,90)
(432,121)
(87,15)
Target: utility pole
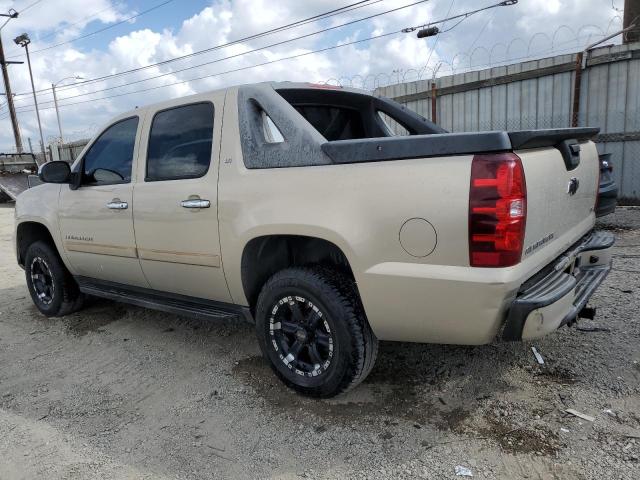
(631,16)
(24,41)
(7,86)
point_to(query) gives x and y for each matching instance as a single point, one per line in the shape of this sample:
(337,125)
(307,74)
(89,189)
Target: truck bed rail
(448,144)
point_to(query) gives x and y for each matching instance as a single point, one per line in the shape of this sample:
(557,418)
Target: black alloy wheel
(301,336)
(42,280)
(313,331)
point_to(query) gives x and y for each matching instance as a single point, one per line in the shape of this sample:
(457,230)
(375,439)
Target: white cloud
(486,35)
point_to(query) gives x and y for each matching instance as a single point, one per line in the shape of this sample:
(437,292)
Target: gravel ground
(117,391)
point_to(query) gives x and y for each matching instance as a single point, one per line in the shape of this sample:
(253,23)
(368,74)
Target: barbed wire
(69,137)
(578,40)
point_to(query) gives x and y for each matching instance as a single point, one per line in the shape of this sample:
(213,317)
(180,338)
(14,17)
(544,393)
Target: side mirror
(55,172)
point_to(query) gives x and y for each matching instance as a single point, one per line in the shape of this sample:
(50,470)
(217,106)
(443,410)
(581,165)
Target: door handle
(195,203)
(117,204)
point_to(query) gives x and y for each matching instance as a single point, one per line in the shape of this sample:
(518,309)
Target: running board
(163,301)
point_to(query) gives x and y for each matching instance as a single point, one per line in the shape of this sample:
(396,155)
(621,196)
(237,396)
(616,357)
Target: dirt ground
(117,391)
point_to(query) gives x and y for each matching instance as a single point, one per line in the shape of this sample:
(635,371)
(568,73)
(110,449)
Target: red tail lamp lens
(497,210)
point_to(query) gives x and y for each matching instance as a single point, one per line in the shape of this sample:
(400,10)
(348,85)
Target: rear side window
(109,159)
(180,142)
(334,123)
(271,132)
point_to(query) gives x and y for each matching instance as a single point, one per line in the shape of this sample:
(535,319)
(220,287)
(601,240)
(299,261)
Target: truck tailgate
(561,196)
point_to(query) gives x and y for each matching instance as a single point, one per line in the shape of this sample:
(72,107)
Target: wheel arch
(29,232)
(265,255)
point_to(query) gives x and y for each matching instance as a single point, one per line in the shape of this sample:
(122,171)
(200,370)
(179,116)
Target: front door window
(109,159)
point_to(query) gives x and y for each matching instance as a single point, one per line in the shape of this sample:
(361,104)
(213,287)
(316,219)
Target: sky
(92,39)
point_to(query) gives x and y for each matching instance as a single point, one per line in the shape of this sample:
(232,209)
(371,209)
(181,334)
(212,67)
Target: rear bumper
(557,295)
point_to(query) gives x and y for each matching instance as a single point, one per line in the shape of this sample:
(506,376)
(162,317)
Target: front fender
(40,205)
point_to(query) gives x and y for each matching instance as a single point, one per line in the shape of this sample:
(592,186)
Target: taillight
(497,210)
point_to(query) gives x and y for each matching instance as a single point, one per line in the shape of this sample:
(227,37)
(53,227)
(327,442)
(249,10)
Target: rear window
(334,123)
(339,114)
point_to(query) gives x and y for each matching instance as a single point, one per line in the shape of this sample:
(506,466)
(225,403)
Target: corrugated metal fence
(539,94)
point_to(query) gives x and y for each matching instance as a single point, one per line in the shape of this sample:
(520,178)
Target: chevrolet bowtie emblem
(573,186)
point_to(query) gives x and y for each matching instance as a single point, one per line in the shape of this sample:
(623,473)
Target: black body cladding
(323,125)
(416,146)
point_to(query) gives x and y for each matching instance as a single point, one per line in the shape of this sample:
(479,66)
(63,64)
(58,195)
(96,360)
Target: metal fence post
(434,108)
(576,90)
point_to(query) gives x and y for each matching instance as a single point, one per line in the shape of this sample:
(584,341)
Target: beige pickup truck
(329,217)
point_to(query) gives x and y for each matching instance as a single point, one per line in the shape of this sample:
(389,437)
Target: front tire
(313,331)
(53,290)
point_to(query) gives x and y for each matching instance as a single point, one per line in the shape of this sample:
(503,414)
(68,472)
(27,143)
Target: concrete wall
(539,94)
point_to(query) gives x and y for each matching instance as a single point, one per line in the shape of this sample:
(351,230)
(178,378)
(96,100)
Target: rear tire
(53,290)
(313,331)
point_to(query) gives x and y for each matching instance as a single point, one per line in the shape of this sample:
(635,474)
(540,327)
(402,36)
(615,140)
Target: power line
(473,44)
(29,108)
(334,47)
(100,30)
(462,17)
(233,70)
(84,19)
(505,3)
(437,36)
(29,6)
(260,64)
(226,58)
(321,16)
(241,53)
(109,8)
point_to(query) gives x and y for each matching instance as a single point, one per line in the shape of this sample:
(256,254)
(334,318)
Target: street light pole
(55,102)
(24,41)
